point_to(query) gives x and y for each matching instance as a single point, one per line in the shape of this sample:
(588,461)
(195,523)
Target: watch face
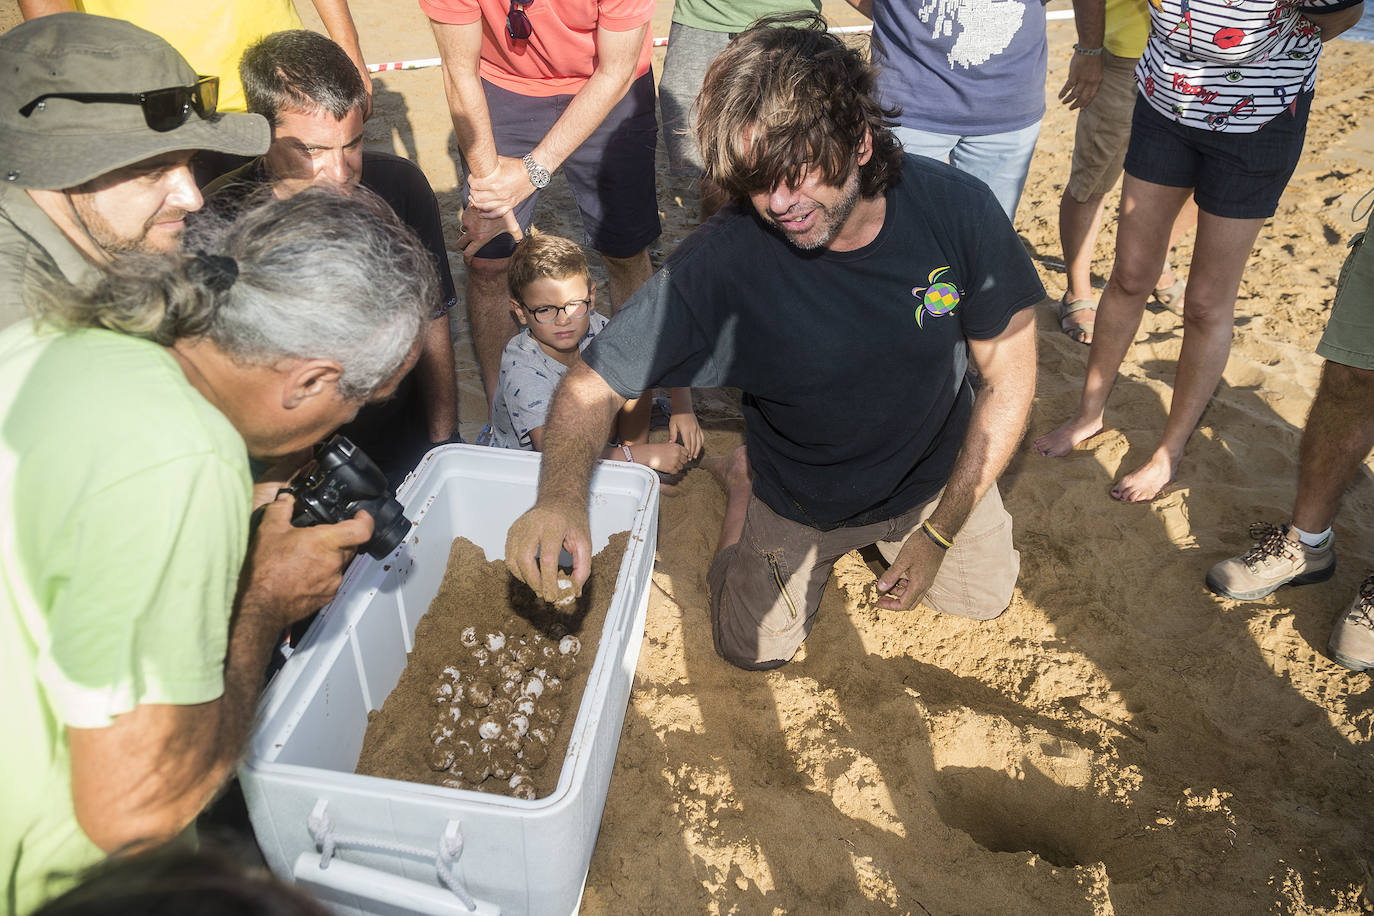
(539,176)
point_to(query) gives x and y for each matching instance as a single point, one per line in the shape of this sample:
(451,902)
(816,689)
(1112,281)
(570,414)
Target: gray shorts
(611,174)
(1349,335)
(690,52)
(766,589)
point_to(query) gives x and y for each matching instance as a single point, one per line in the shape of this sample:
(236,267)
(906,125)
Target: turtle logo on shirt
(936,298)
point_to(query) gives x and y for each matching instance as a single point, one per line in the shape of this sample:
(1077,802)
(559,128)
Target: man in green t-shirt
(136,614)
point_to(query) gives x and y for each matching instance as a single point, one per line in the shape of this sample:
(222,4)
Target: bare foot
(731,471)
(1059,441)
(1146,482)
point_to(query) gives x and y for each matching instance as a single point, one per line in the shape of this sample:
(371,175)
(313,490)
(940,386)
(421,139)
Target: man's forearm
(1000,414)
(1089,20)
(617,60)
(575,433)
(438,382)
(1333,24)
(460,47)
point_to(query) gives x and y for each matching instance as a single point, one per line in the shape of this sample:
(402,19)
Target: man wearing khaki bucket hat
(99,120)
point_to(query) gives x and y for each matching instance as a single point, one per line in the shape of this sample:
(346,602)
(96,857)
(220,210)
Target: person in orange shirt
(539,87)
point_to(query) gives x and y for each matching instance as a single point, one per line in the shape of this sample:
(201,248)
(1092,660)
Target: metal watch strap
(539,176)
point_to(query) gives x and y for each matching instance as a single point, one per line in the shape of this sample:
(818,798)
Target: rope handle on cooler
(321,827)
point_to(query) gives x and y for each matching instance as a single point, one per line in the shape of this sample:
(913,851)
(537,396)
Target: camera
(338,482)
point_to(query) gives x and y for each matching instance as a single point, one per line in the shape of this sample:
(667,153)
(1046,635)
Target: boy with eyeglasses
(552,297)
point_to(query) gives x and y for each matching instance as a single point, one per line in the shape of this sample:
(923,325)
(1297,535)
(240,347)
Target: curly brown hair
(786,97)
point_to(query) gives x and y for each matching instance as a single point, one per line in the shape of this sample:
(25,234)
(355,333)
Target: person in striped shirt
(1220,116)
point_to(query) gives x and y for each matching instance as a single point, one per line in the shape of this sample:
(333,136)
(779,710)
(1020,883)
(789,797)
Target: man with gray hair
(99,120)
(310,93)
(136,617)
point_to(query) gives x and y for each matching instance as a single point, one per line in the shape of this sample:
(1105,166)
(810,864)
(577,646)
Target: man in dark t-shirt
(844,293)
(311,93)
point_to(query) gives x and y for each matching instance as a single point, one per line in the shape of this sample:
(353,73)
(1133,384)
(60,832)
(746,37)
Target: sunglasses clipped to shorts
(163,109)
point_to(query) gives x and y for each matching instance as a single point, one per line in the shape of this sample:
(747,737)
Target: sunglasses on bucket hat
(163,109)
(518,25)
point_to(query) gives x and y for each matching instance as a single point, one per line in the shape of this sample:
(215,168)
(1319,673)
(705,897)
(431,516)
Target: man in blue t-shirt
(844,293)
(969,79)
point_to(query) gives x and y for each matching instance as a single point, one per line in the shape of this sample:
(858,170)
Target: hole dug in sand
(1057,802)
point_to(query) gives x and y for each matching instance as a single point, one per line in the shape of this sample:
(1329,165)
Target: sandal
(1081,332)
(1171,296)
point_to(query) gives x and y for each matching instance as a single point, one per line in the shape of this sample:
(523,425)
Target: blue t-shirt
(966,67)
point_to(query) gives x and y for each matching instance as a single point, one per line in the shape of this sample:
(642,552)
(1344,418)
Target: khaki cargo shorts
(765,589)
(1349,335)
(1103,130)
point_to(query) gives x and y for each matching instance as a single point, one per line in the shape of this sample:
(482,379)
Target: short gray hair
(320,275)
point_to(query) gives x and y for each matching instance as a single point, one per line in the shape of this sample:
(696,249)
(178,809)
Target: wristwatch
(539,176)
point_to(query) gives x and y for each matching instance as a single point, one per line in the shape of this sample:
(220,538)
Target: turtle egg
(500,708)
(468,637)
(441,758)
(533,688)
(553,686)
(495,642)
(521,786)
(467,724)
(534,754)
(542,734)
(550,713)
(512,672)
(453,674)
(481,656)
(518,724)
(525,657)
(525,706)
(569,645)
(479,693)
(439,734)
(489,729)
(510,689)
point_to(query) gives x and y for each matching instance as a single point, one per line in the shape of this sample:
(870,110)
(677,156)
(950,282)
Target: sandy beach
(1120,740)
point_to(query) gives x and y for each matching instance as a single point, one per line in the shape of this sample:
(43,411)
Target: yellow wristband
(940,540)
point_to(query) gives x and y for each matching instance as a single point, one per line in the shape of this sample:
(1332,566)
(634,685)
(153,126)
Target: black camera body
(339,482)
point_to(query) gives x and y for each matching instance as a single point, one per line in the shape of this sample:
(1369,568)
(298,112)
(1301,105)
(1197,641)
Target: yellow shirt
(210,34)
(1128,27)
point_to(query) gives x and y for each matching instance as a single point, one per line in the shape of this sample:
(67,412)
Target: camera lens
(390,526)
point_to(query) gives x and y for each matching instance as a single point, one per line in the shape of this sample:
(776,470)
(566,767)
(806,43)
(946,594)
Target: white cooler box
(381,846)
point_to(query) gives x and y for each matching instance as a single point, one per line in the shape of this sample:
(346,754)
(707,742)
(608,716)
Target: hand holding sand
(533,544)
(911,574)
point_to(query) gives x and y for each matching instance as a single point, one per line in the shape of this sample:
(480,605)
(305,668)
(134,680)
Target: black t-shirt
(394,434)
(852,363)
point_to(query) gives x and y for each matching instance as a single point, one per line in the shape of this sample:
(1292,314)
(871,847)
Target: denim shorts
(611,173)
(1234,176)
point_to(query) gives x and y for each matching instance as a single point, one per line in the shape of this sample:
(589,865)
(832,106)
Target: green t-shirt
(732,16)
(124,503)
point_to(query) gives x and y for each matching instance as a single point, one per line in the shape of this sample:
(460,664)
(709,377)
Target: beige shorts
(766,588)
(1104,130)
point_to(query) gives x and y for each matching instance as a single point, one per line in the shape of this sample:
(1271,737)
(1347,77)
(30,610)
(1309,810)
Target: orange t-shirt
(561,54)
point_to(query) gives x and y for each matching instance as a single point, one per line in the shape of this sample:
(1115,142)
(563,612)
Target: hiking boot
(1273,561)
(1352,641)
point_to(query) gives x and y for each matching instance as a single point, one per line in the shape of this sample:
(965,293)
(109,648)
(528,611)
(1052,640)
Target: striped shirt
(1230,65)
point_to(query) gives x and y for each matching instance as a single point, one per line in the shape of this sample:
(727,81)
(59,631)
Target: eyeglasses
(163,109)
(547,314)
(518,25)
